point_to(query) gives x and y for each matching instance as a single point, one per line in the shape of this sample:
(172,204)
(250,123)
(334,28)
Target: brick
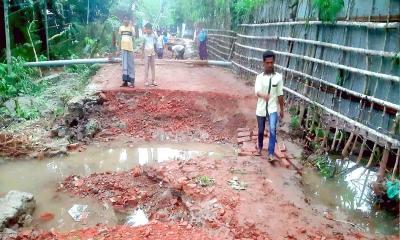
(242,154)
(249,147)
(285,163)
(282,147)
(243,139)
(243,129)
(244,134)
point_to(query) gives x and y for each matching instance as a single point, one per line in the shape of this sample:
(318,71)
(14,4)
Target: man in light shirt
(149,54)
(269,90)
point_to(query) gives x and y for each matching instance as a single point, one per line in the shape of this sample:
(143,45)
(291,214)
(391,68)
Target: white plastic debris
(78,212)
(137,218)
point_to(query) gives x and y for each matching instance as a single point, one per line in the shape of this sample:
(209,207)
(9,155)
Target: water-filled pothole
(348,195)
(42,178)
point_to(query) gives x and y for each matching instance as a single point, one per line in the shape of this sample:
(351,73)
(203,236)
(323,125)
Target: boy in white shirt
(149,54)
(269,90)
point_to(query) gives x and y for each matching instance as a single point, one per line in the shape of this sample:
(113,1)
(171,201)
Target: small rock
(73,146)
(136,172)
(47,216)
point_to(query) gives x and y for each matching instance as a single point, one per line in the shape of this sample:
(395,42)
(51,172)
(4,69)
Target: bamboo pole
(345,151)
(362,148)
(354,93)
(383,163)
(334,138)
(221,30)
(328,63)
(340,140)
(354,144)
(371,158)
(325,44)
(33,44)
(220,35)
(219,45)
(221,42)
(372,25)
(219,52)
(46,27)
(7,30)
(324,144)
(396,165)
(361,126)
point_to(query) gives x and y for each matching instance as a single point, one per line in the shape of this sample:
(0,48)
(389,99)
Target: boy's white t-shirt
(262,85)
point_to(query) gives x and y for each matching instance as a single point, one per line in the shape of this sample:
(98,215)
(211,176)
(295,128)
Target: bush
(294,122)
(19,81)
(328,9)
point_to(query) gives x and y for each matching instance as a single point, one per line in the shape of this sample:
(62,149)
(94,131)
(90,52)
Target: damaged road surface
(222,192)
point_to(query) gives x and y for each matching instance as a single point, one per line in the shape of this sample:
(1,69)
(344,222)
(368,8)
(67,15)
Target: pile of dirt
(130,189)
(197,115)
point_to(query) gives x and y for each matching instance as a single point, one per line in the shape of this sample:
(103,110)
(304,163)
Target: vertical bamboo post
(8,43)
(345,151)
(334,138)
(46,26)
(340,140)
(354,144)
(362,148)
(371,158)
(325,140)
(88,12)
(383,163)
(396,165)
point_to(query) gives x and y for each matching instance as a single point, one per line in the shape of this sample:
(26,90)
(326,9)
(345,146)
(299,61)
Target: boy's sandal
(154,84)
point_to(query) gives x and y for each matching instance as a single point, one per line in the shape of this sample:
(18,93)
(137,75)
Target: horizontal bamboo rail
(372,25)
(213,50)
(220,35)
(324,44)
(221,30)
(327,63)
(219,45)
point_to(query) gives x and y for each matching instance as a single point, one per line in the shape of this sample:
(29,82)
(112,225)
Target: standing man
(160,45)
(149,54)
(269,90)
(126,32)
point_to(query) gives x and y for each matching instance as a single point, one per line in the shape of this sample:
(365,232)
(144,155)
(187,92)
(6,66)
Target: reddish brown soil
(169,193)
(196,115)
(205,104)
(154,230)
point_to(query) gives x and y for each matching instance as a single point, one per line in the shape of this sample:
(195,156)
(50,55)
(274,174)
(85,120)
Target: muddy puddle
(348,196)
(42,177)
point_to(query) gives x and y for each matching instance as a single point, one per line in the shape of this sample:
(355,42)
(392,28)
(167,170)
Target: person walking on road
(269,90)
(126,31)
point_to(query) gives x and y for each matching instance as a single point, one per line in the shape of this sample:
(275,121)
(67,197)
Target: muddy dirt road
(194,199)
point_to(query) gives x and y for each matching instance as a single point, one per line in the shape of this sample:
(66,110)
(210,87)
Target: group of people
(154,44)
